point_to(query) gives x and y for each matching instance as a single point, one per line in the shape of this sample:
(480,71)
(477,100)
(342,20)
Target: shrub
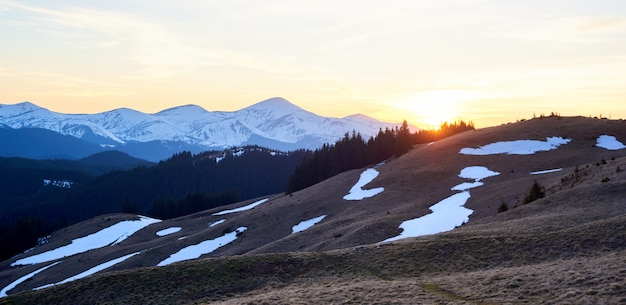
(503,208)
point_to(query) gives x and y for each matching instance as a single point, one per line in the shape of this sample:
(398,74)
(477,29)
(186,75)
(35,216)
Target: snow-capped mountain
(274,123)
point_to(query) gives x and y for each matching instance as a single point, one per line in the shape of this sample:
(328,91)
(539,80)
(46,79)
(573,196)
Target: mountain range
(28,130)
(449,222)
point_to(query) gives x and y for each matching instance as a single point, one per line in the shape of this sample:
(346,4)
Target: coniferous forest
(180,185)
(352,152)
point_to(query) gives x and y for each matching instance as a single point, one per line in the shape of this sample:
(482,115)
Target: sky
(490,62)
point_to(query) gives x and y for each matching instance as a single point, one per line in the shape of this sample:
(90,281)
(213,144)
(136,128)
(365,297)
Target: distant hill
(114,159)
(565,248)
(38,143)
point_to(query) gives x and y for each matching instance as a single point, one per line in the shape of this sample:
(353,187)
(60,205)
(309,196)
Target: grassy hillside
(566,248)
(547,251)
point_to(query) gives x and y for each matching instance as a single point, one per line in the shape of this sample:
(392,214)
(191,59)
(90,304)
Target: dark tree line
(180,185)
(352,152)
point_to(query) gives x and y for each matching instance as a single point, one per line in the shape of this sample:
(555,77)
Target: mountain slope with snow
(274,123)
(432,188)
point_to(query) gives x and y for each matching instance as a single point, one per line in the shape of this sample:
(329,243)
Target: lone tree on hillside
(536,191)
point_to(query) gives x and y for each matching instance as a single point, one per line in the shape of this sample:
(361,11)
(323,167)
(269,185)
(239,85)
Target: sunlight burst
(432,108)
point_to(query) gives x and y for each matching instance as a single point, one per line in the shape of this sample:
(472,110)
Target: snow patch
(91,271)
(3,292)
(215,223)
(358,193)
(241,209)
(547,171)
(168,231)
(609,142)
(112,235)
(520,147)
(477,173)
(207,246)
(448,213)
(305,224)
(466,186)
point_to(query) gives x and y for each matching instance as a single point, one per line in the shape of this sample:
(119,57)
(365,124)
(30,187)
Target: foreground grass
(448,268)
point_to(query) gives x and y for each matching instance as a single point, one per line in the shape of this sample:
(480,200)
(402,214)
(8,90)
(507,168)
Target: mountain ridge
(275,122)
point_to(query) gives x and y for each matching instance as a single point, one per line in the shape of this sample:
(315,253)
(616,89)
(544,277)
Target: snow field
(168,231)
(448,213)
(107,236)
(305,224)
(547,171)
(197,250)
(477,173)
(91,271)
(215,223)
(358,193)
(241,209)
(519,147)
(609,142)
(3,292)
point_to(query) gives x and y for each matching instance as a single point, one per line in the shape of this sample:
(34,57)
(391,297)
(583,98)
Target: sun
(429,109)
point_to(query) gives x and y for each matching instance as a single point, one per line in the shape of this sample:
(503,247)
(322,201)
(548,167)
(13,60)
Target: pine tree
(536,191)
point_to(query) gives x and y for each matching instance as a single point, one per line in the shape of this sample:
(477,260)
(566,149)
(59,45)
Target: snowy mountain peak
(360,117)
(189,109)
(277,105)
(20,108)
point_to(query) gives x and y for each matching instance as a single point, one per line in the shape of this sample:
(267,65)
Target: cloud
(60,84)
(579,30)
(159,48)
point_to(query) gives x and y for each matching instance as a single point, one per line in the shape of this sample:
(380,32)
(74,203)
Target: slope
(578,226)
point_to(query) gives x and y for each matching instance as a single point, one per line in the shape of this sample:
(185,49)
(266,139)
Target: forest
(352,152)
(180,185)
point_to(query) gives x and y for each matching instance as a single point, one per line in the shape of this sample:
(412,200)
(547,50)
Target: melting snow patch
(107,236)
(243,208)
(447,214)
(305,224)
(609,142)
(477,173)
(547,171)
(466,186)
(520,147)
(215,223)
(91,271)
(207,246)
(3,292)
(168,231)
(357,192)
